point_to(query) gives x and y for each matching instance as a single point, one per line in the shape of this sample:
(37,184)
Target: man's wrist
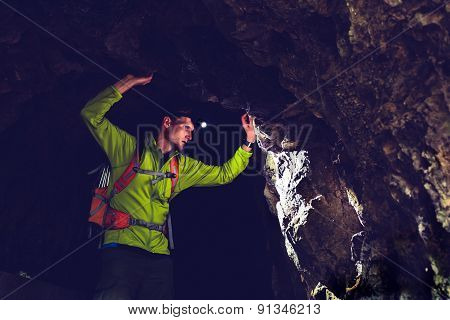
(251,139)
(123,85)
(246,148)
(248,145)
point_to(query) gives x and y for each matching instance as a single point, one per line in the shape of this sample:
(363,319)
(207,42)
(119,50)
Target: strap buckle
(171,175)
(132,221)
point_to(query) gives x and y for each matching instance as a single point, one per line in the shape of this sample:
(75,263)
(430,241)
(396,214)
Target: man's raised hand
(130,81)
(247,123)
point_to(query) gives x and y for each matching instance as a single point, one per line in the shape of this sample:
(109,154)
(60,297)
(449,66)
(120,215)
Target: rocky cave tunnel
(346,196)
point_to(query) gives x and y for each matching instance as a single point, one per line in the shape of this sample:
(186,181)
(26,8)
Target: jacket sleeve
(197,174)
(117,143)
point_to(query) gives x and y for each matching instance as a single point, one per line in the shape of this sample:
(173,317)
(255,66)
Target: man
(136,261)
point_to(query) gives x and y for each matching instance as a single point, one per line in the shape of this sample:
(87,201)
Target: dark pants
(133,273)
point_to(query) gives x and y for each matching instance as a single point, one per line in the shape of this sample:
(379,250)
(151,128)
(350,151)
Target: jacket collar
(151,143)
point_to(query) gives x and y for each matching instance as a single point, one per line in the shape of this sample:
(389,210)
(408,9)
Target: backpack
(105,216)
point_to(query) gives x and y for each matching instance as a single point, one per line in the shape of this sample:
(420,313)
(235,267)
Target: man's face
(180,132)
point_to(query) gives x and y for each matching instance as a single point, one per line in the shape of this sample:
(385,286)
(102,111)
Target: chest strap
(172,174)
(159,175)
(148,225)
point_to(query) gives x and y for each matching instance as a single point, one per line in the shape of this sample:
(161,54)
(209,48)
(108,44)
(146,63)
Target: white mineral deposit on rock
(292,209)
(353,201)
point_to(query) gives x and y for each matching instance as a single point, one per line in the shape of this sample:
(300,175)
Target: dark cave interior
(356,206)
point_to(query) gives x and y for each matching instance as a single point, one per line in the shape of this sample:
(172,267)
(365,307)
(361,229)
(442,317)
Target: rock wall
(378,201)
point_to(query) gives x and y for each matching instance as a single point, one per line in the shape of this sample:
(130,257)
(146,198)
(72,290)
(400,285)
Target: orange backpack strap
(126,177)
(174,168)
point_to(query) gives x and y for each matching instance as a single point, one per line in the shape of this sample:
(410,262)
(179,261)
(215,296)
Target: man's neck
(164,144)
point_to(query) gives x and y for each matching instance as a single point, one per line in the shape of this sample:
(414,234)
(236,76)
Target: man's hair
(175,116)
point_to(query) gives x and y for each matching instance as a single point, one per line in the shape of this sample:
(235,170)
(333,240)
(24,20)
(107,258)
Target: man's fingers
(247,119)
(148,78)
(144,80)
(243,119)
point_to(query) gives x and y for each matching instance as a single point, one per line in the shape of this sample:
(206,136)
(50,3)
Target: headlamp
(202,123)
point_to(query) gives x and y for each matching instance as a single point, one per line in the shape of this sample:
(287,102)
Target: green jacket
(140,199)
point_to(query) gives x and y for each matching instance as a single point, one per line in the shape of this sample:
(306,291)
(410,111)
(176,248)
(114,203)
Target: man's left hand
(247,123)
